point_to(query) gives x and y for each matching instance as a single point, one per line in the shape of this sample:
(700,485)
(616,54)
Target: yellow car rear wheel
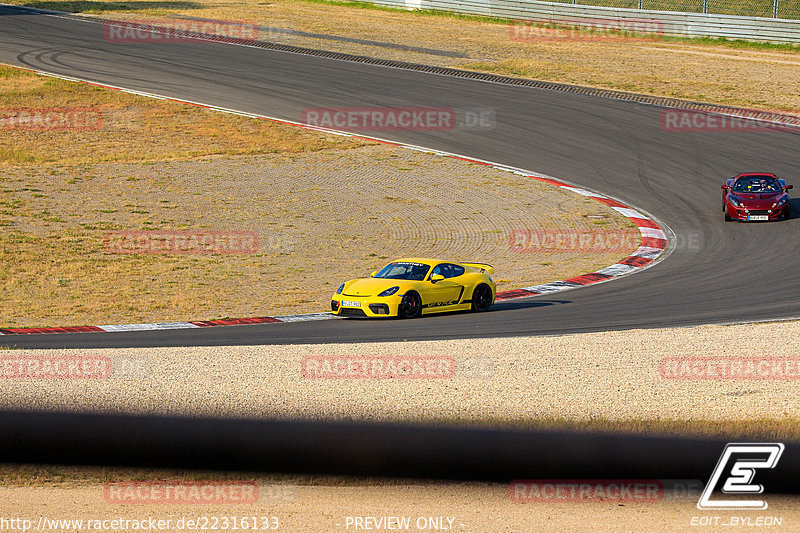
(481,298)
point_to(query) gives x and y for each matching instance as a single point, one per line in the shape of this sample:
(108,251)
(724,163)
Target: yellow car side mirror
(373,274)
(436,277)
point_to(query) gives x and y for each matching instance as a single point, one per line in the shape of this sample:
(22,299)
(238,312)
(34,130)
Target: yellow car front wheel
(410,306)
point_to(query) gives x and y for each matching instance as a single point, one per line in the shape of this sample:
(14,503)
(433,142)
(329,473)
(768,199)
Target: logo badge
(745,459)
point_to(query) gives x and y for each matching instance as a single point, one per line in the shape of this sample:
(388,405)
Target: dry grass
(320,218)
(134,128)
(52,264)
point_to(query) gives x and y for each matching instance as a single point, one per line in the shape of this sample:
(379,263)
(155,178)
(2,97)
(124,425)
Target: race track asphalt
(718,272)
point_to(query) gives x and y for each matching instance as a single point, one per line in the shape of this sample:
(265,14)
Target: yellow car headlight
(390,291)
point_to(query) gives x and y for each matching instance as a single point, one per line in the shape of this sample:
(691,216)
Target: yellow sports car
(409,288)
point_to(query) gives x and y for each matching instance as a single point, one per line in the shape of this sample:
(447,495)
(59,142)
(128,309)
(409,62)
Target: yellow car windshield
(404,270)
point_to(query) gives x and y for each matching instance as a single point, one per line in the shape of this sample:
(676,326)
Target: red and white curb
(653,248)
(654,244)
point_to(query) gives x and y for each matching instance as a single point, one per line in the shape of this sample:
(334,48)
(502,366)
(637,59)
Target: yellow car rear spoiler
(483,267)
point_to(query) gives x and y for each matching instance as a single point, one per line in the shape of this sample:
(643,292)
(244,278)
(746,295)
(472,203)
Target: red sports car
(756,196)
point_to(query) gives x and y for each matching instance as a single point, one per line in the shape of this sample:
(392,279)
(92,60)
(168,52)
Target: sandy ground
(464,508)
(612,376)
(319,219)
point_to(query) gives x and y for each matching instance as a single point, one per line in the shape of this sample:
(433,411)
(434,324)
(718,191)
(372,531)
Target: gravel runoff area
(319,219)
(626,375)
(614,376)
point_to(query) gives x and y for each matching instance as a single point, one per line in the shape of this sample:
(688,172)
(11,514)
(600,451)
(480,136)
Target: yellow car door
(444,292)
